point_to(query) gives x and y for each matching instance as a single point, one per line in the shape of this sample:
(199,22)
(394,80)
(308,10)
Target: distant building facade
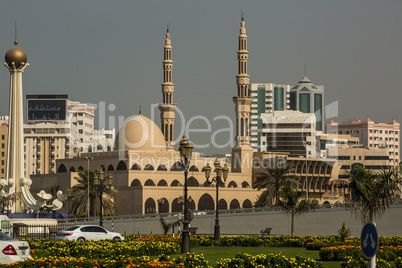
(291,132)
(47,141)
(326,141)
(372,135)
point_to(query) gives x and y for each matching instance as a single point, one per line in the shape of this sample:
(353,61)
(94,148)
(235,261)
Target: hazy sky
(112,52)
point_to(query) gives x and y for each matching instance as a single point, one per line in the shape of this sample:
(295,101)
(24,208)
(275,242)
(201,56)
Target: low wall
(321,222)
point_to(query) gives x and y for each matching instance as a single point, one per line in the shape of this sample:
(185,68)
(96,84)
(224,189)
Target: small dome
(140,133)
(16,55)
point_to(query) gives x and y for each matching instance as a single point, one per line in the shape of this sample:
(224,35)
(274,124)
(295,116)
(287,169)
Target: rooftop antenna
(167,29)
(140,110)
(15,40)
(242,15)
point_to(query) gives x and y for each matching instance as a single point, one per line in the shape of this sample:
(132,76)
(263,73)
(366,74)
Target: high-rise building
(308,98)
(372,135)
(267,97)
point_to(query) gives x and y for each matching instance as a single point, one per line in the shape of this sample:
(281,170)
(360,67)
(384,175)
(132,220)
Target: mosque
(147,170)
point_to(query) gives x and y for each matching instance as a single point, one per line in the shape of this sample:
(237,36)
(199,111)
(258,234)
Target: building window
(371,131)
(2,137)
(2,145)
(380,131)
(2,154)
(386,131)
(2,171)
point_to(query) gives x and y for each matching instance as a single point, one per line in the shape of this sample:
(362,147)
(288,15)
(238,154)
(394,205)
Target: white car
(87,232)
(12,250)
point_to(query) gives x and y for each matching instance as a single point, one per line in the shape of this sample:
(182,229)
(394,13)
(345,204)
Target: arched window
(149,167)
(178,166)
(135,183)
(80,168)
(232,184)
(222,204)
(150,206)
(247,204)
(162,168)
(175,183)
(100,147)
(149,182)
(62,168)
(206,202)
(109,148)
(163,205)
(90,149)
(234,204)
(193,168)
(245,184)
(110,168)
(162,183)
(176,206)
(72,169)
(135,167)
(121,166)
(192,182)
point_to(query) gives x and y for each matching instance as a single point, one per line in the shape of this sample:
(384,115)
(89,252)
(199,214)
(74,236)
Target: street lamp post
(101,186)
(88,159)
(186,151)
(221,173)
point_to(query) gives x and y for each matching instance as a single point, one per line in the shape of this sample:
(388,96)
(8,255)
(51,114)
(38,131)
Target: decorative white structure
(15,182)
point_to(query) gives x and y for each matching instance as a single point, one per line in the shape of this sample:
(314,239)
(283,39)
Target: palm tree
(79,196)
(274,176)
(292,205)
(167,226)
(371,192)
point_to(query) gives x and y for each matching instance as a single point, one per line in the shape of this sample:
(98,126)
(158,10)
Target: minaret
(168,108)
(16,62)
(242,152)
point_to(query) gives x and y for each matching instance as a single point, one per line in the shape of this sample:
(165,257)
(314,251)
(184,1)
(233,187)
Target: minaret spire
(15,41)
(242,151)
(168,108)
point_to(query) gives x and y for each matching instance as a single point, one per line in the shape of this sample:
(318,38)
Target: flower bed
(341,253)
(101,249)
(269,260)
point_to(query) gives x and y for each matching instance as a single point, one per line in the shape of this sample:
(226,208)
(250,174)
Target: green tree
(78,194)
(373,192)
(344,233)
(292,204)
(275,175)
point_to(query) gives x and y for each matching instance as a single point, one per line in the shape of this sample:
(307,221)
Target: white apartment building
(46,141)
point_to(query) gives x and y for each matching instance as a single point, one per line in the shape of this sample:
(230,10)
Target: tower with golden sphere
(168,108)
(242,153)
(16,62)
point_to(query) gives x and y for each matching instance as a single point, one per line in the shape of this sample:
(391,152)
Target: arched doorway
(150,206)
(206,202)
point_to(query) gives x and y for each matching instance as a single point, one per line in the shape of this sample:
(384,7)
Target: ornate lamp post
(186,151)
(221,173)
(101,186)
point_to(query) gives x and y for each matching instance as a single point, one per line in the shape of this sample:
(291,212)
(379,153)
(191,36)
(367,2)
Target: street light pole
(221,172)
(99,182)
(88,159)
(186,151)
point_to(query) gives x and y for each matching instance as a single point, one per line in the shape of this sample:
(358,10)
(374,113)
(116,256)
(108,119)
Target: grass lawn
(212,254)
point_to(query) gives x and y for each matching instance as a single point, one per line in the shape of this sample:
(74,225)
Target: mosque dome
(140,133)
(16,55)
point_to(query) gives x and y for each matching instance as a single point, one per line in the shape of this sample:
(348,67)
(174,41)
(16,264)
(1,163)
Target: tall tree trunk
(293,224)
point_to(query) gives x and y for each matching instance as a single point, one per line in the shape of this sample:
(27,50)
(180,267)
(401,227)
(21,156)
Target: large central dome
(140,133)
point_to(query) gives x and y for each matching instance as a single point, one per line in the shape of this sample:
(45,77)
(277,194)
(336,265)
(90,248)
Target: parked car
(87,232)
(12,250)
